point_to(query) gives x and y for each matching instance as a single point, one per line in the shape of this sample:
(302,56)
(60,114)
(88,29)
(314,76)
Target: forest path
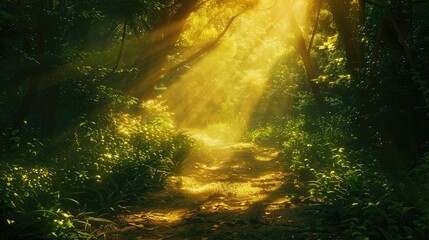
(232,191)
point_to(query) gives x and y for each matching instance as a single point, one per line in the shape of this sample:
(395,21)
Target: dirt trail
(235,191)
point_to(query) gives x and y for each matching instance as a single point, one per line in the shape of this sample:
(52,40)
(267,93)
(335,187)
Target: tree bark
(308,64)
(347,31)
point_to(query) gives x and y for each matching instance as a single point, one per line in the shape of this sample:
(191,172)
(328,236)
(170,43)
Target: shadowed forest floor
(232,191)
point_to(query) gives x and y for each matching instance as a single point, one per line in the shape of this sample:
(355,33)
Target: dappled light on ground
(157,218)
(227,191)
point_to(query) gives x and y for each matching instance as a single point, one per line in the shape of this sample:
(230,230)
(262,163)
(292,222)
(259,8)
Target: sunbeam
(223,87)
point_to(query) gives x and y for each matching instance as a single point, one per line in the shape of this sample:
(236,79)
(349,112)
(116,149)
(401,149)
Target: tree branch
(204,49)
(316,24)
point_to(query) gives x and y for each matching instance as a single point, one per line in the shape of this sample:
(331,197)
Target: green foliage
(270,134)
(365,204)
(101,156)
(106,163)
(349,190)
(30,207)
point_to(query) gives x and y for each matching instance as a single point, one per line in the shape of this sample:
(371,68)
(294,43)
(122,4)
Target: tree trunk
(124,31)
(36,68)
(348,33)
(309,66)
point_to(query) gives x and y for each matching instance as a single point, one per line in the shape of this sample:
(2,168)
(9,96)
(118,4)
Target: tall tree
(36,66)
(400,122)
(309,65)
(349,19)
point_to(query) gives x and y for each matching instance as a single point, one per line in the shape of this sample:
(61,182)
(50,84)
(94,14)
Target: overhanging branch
(204,49)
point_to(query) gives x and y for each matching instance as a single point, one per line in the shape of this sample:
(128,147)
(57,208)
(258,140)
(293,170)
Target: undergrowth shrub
(364,204)
(269,134)
(108,161)
(349,190)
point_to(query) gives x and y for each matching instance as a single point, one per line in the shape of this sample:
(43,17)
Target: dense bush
(349,189)
(105,163)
